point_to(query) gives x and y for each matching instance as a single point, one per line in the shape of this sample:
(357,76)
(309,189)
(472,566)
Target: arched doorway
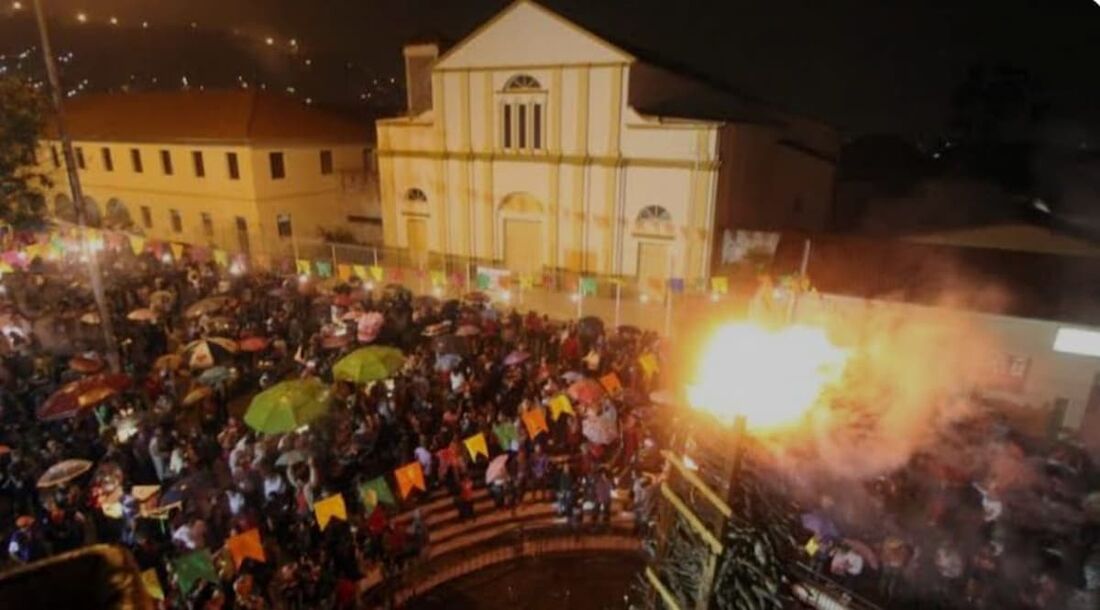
(92,215)
(64,209)
(521,217)
(655,231)
(416,226)
(117,216)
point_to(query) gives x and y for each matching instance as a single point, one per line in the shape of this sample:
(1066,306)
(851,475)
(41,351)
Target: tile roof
(212,116)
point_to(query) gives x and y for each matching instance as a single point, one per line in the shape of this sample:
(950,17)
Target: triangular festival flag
(611,383)
(376,273)
(324,269)
(375,491)
(329,508)
(193,567)
(409,477)
(246,545)
(476,446)
(505,433)
(560,404)
(588,286)
(535,422)
(303,266)
(137,244)
(720,285)
(177,250)
(151,581)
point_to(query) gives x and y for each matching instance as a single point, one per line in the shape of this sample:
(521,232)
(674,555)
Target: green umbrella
(287,406)
(368,364)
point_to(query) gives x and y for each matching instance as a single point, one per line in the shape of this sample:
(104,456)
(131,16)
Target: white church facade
(533,144)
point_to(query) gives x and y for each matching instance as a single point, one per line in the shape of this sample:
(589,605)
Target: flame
(773,377)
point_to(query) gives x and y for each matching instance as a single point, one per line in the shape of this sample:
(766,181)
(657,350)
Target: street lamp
(109,340)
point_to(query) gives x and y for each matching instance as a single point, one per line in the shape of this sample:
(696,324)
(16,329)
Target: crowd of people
(158,457)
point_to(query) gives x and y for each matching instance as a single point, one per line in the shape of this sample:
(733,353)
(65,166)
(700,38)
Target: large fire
(773,377)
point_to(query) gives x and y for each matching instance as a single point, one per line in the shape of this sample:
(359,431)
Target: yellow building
(244,171)
(535,144)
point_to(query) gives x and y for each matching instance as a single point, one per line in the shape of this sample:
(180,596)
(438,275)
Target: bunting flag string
(330,508)
(177,251)
(303,266)
(719,285)
(343,272)
(676,285)
(360,271)
(439,279)
(221,257)
(648,363)
(246,545)
(476,446)
(611,383)
(409,477)
(588,286)
(193,567)
(324,269)
(535,421)
(560,404)
(376,491)
(376,273)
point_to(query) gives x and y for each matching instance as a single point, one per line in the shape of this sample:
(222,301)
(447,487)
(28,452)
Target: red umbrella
(80,395)
(586,391)
(86,364)
(254,344)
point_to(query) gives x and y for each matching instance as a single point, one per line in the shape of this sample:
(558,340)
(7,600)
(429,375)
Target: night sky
(863,65)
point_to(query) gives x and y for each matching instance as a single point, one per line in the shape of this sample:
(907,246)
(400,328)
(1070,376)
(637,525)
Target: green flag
(324,268)
(506,433)
(588,286)
(375,491)
(483,281)
(193,567)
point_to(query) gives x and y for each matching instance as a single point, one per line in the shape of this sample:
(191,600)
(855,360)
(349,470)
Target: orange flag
(409,477)
(246,545)
(611,383)
(343,272)
(535,422)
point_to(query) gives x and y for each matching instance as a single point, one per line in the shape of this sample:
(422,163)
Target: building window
(176,220)
(282,223)
(326,162)
(242,234)
(654,213)
(108,162)
(522,112)
(278,167)
(146,217)
(80,157)
(417,195)
(53,155)
(207,225)
(234,169)
(370,161)
(166,162)
(135,160)
(536,126)
(196,160)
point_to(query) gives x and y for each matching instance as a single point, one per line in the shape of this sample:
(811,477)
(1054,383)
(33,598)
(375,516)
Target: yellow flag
(34,250)
(409,477)
(177,250)
(137,244)
(526,281)
(535,422)
(719,285)
(439,279)
(152,584)
(332,506)
(812,546)
(343,272)
(221,257)
(649,364)
(560,404)
(360,271)
(476,446)
(376,273)
(303,266)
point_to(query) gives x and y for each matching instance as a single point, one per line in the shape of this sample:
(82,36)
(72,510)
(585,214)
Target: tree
(22,118)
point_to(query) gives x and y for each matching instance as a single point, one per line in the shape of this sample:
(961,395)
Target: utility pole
(109,340)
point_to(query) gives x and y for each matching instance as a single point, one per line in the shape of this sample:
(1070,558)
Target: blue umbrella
(215,375)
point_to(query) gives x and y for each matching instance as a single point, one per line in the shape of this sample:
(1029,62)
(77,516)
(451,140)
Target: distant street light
(16,6)
(81,17)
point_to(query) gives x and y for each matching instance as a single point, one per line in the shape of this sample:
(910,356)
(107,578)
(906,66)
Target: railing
(513,543)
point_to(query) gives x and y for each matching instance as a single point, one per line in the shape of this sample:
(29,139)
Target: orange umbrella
(86,364)
(197,395)
(586,391)
(80,395)
(254,344)
(142,315)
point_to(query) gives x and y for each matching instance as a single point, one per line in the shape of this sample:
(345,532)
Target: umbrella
(468,330)
(187,488)
(336,341)
(449,344)
(436,330)
(820,525)
(63,472)
(476,297)
(370,324)
(82,394)
(89,363)
(168,362)
(4,449)
(587,391)
(516,357)
(497,470)
(91,318)
(215,375)
(161,300)
(572,376)
(447,362)
(254,344)
(368,364)
(220,324)
(207,306)
(143,314)
(291,457)
(861,548)
(205,353)
(287,406)
(197,395)
(601,429)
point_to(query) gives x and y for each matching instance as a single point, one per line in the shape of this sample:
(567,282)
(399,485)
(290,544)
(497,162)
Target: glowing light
(506,296)
(575,297)
(113,20)
(166,258)
(437,291)
(293,42)
(771,376)
(145,25)
(82,17)
(1077,341)
(714,298)
(269,41)
(644,298)
(17,6)
(302,279)
(370,285)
